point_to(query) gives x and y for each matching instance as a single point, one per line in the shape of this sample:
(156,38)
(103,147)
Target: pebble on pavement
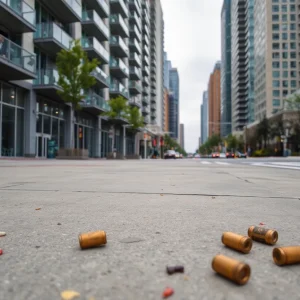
(2,233)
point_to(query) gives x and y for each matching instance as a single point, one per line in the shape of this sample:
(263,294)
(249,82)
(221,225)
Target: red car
(229,155)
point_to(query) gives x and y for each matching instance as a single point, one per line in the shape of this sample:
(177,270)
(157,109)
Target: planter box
(72,154)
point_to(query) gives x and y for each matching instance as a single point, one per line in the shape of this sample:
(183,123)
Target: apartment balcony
(94,104)
(145,110)
(119,7)
(146,61)
(17,16)
(153,62)
(133,44)
(146,91)
(153,115)
(102,79)
(135,73)
(135,87)
(118,68)
(134,33)
(146,51)
(153,92)
(146,71)
(135,20)
(51,38)
(153,100)
(146,81)
(146,5)
(16,63)
(118,26)
(118,89)
(146,30)
(135,60)
(100,6)
(68,11)
(94,49)
(146,41)
(135,101)
(118,46)
(146,18)
(153,106)
(145,100)
(93,25)
(136,6)
(146,120)
(153,78)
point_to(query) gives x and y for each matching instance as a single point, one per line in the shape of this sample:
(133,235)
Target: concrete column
(69,128)
(97,137)
(30,124)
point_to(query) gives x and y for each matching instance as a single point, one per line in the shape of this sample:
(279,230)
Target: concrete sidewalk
(155,214)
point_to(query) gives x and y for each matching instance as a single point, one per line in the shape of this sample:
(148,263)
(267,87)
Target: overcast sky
(193,44)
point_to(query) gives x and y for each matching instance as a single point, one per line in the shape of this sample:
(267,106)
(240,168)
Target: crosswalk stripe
(205,162)
(222,163)
(275,166)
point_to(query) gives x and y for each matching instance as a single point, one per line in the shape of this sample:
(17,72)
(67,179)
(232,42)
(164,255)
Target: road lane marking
(275,166)
(222,163)
(205,162)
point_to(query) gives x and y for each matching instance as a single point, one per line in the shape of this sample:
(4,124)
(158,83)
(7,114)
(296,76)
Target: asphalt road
(155,213)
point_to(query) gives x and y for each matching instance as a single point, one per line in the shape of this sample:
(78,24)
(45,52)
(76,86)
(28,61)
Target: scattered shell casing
(232,269)
(263,235)
(238,242)
(92,239)
(286,255)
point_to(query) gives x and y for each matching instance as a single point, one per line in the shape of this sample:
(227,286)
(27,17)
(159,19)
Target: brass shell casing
(92,239)
(263,235)
(238,242)
(232,269)
(286,255)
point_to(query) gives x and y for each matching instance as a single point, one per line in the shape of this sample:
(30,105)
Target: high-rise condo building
(204,118)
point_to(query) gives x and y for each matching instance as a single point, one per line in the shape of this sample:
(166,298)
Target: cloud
(193,44)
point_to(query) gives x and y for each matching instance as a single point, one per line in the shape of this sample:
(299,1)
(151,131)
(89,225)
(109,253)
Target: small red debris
(1,252)
(261,223)
(167,292)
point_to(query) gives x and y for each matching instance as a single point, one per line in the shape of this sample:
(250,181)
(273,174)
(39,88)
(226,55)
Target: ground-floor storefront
(33,125)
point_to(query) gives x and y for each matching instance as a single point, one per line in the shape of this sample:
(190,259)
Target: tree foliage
(170,143)
(135,118)
(74,69)
(118,108)
(211,143)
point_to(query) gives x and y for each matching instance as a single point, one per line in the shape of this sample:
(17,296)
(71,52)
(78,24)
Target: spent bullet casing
(263,235)
(238,242)
(232,269)
(176,269)
(92,239)
(286,255)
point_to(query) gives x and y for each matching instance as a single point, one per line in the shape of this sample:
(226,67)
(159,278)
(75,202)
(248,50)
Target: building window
(293,17)
(285,46)
(293,83)
(285,36)
(293,55)
(276,93)
(284,8)
(284,18)
(292,8)
(276,74)
(276,55)
(275,46)
(285,74)
(293,74)
(275,18)
(293,35)
(292,26)
(284,27)
(275,8)
(285,55)
(285,83)
(276,83)
(293,45)
(293,64)
(285,65)
(285,93)
(275,27)
(276,64)
(275,36)
(276,102)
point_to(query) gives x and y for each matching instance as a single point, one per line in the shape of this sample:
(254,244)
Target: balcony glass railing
(17,55)
(118,63)
(118,19)
(134,43)
(137,19)
(134,56)
(92,42)
(135,30)
(122,4)
(135,100)
(118,41)
(53,31)
(22,9)
(92,99)
(104,5)
(75,5)
(135,85)
(146,59)
(117,87)
(47,77)
(146,40)
(135,70)
(91,15)
(99,74)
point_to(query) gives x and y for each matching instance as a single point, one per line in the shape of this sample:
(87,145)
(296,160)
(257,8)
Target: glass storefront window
(20,133)
(20,97)
(39,123)
(9,94)
(54,134)
(8,130)
(61,134)
(47,125)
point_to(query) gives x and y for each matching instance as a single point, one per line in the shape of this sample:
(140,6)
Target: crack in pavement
(157,193)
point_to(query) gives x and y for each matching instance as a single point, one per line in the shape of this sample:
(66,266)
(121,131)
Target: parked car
(197,156)
(170,154)
(240,154)
(229,155)
(215,155)
(222,155)
(177,155)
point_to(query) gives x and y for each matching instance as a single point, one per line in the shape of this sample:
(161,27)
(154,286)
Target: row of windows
(284,27)
(284,8)
(285,74)
(276,46)
(285,64)
(285,83)
(276,93)
(284,55)
(283,1)
(284,18)
(284,36)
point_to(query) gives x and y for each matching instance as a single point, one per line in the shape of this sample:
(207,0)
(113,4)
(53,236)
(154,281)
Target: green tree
(135,118)
(170,143)
(232,142)
(118,108)
(74,69)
